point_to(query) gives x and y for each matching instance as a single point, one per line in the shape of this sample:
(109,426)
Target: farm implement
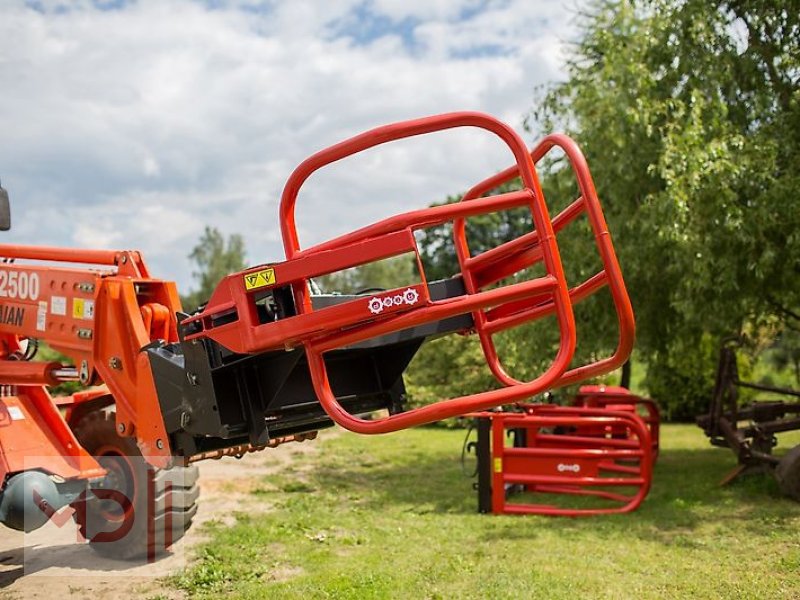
(751,430)
(595,457)
(266,360)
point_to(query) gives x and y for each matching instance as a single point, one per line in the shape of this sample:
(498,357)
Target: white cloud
(135,127)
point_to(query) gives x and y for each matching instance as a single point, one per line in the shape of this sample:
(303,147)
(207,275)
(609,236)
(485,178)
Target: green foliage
(689,114)
(215,258)
(784,355)
(683,378)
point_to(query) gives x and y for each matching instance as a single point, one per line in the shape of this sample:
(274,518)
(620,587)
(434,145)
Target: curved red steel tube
(550,257)
(611,274)
(56,254)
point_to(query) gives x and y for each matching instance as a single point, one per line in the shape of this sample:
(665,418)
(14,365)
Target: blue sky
(133,124)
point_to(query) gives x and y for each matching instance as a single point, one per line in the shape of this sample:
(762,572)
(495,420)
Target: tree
(214,259)
(785,353)
(689,113)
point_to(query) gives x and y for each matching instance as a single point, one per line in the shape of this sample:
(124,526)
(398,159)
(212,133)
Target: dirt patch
(284,573)
(49,563)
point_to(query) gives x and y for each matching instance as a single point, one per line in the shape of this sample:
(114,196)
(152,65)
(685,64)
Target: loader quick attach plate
(264,346)
(212,398)
(562,461)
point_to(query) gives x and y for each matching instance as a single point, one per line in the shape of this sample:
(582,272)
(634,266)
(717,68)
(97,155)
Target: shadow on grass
(686,493)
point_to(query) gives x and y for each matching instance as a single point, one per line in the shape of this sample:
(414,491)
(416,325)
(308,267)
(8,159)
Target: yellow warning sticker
(259,279)
(82,309)
(498,465)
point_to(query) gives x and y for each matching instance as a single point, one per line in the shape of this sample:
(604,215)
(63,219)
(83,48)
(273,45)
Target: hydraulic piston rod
(36,373)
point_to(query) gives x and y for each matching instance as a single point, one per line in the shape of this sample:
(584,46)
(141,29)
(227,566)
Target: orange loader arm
(100,316)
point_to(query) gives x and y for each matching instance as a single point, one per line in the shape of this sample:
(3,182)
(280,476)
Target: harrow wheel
(788,473)
(136,511)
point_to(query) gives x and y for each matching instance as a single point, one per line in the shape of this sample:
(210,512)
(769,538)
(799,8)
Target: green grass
(393,517)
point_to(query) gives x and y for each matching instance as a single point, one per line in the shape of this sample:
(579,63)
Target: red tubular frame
(621,399)
(524,252)
(554,284)
(545,464)
(347,323)
(128,262)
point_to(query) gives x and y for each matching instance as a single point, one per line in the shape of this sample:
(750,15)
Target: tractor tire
(137,511)
(788,473)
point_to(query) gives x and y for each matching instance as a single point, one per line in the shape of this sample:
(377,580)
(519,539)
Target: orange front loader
(266,360)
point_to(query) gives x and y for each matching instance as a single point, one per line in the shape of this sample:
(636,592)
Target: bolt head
(121,427)
(159,444)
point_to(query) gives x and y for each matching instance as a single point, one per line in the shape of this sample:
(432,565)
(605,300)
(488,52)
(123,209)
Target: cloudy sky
(133,124)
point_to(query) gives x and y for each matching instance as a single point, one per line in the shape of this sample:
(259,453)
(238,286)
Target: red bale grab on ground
(613,397)
(540,460)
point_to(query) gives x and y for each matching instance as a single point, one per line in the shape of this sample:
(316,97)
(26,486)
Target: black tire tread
(98,428)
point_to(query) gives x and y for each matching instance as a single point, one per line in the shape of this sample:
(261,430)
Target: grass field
(393,517)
